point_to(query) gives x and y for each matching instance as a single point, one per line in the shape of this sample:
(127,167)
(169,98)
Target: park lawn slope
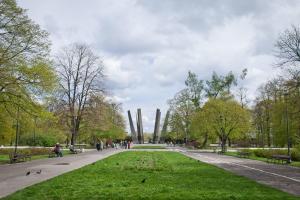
(150,175)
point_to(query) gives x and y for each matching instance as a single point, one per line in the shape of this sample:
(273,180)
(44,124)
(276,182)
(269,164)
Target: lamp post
(287,125)
(17,130)
(34,143)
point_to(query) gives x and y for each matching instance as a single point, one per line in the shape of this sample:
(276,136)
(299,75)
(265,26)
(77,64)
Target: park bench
(77,148)
(215,147)
(19,157)
(279,158)
(243,154)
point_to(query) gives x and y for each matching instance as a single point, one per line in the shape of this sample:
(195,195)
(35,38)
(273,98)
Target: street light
(287,124)
(34,136)
(17,130)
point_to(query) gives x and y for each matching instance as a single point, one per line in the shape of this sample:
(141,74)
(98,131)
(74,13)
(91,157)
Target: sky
(148,46)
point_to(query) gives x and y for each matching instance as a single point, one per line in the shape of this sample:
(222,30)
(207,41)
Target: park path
(282,177)
(13,176)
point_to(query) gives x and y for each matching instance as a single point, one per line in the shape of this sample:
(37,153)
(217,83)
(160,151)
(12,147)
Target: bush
(247,151)
(31,151)
(40,140)
(295,155)
(267,153)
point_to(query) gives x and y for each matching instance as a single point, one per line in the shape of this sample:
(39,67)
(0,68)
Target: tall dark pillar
(133,132)
(140,126)
(138,129)
(156,127)
(165,127)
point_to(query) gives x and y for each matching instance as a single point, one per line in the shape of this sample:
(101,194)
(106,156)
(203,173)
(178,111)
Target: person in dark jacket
(57,150)
(98,146)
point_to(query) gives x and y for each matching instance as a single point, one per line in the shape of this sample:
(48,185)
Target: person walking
(98,146)
(129,143)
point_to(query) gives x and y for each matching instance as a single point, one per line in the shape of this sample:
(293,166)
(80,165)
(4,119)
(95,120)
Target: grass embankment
(150,175)
(4,158)
(148,147)
(254,157)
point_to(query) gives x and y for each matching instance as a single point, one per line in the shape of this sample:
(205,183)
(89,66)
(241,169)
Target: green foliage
(219,86)
(195,88)
(42,139)
(187,116)
(226,118)
(25,70)
(103,120)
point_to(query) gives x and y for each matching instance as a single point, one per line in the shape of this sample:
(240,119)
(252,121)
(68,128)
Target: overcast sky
(148,46)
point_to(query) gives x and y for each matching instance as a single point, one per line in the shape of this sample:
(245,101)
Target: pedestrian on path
(57,150)
(98,146)
(129,143)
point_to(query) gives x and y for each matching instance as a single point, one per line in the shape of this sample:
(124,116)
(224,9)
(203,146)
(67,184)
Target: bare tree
(81,73)
(288,47)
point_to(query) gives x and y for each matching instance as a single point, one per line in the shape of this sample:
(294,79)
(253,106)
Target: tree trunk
(229,142)
(72,139)
(223,143)
(205,141)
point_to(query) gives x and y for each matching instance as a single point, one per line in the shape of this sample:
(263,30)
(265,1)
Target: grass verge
(148,147)
(253,157)
(150,175)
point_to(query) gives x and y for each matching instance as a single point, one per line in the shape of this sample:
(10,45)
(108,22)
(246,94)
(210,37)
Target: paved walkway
(282,177)
(13,177)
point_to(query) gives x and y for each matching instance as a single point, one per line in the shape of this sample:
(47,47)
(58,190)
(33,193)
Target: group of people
(126,144)
(121,144)
(99,146)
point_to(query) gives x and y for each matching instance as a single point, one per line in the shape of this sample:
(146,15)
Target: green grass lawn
(148,147)
(166,175)
(4,159)
(253,157)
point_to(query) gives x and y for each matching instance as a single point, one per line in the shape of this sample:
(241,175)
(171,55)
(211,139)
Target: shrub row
(267,153)
(31,151)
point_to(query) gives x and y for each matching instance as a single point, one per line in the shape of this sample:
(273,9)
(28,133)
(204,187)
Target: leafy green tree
(26,74)
(226,119)
(219,86)
(25,71)
(103,120)
(181,111)
(195,88)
